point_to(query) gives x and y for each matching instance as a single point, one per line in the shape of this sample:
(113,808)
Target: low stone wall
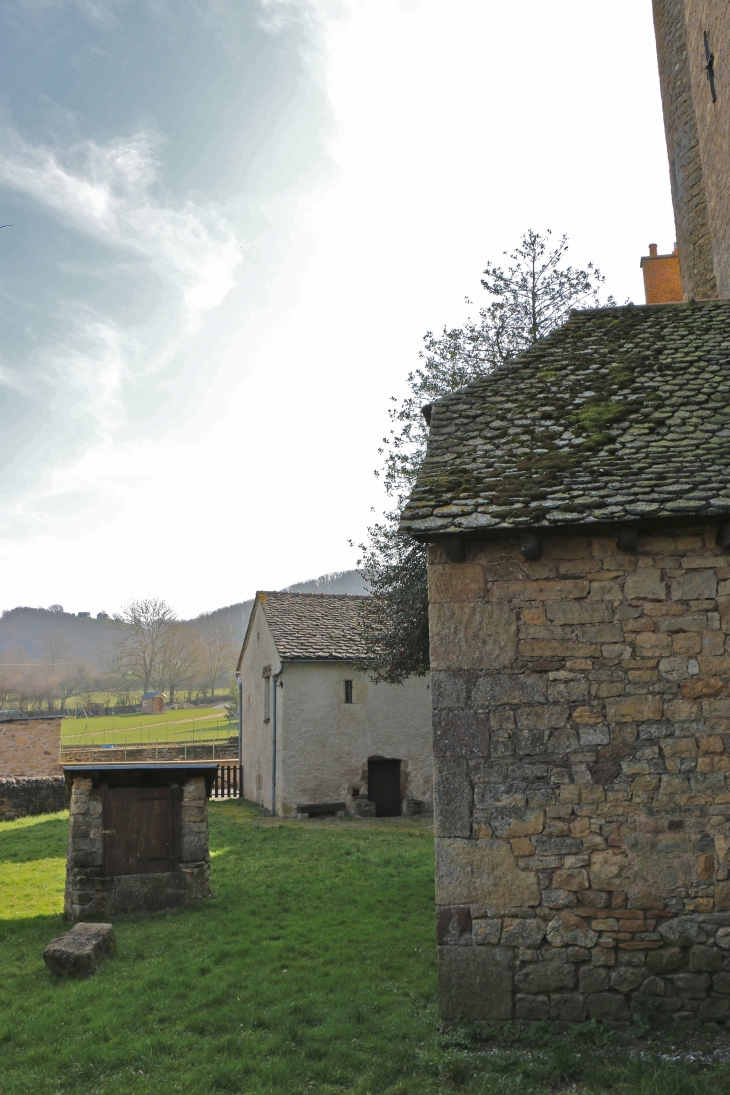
(91,892)
(137,754)
(30,747)
(28,795)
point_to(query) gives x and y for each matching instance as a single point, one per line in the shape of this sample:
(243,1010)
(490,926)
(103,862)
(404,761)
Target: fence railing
(228,781)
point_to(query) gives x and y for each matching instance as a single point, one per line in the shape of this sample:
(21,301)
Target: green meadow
(311,971)
(193,725)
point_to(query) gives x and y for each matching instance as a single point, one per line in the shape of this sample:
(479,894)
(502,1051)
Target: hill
(51,635)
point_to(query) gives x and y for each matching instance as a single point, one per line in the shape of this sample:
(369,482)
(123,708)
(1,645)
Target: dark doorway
(384,787)
(141,829)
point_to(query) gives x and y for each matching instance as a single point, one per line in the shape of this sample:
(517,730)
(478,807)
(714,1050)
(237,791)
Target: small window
(267,699)
(348,691)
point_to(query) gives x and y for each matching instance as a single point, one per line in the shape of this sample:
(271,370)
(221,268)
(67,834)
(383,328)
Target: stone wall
(698,137)
(90,892)
(28,795)
(581,716)
(30,747)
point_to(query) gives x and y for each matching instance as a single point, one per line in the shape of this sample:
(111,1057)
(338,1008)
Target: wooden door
(141,829)
(384,787)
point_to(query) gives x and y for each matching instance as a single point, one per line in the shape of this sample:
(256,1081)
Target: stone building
(576,504)
(335,741)
(693,48)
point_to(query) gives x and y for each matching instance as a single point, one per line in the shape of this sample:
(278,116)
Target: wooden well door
(384,787)
(141,829)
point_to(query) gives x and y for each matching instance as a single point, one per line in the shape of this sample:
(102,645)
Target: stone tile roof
(621,414)
(321,626)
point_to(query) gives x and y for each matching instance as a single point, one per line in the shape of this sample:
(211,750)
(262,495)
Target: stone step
(80,951)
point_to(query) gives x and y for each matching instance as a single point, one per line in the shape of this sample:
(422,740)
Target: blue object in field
(107,746)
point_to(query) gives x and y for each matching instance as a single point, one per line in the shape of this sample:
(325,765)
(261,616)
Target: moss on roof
(620,414)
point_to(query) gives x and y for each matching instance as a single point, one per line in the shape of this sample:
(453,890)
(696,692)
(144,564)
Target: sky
(233,221)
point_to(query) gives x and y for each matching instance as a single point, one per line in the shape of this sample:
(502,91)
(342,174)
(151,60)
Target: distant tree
(179,657)
(217,638)
(55,645)
(55,608)
(139,650)
(533,296)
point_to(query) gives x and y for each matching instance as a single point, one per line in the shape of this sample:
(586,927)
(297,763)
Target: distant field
(204,723)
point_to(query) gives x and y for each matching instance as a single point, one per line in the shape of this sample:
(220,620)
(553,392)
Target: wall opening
(384,786)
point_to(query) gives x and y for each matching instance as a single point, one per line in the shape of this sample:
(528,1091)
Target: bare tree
(140,644)
(217,638)
(55,646)
(179,657)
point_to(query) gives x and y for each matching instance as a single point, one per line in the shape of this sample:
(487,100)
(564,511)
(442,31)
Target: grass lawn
(129,729)
(312,971)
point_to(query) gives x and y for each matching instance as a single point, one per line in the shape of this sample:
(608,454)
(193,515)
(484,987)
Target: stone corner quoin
(581,715)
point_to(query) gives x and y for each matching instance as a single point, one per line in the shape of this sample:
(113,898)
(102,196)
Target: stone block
(698,585)
(567,929)
(721,983)
(460,734)
(634,709)
(570,880)
(693,986)
(609,1006)
(517,821)
(452,795)
(665,961)
(560,590)
(494,689)
(608,870)
(714,1010)
(482,872)
(80,951)
(523,932)
(722,896)
(549,975)
(593,979)
(578,612)
(705,959)
(627,978)
(476,983)
(485,931)
(472,635)
(568,1007)
(532,1008)
(645,584)
(455,582)
(683,932)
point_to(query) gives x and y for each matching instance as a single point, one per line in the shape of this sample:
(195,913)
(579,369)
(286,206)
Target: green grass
(202,723)
(312,972)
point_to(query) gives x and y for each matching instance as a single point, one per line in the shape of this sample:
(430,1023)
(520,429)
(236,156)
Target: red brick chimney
(662,278)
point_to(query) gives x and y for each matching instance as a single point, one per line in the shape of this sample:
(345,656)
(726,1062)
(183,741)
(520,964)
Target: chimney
(662,278)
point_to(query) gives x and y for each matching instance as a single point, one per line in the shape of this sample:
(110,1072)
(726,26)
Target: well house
(318,736)
(576,504)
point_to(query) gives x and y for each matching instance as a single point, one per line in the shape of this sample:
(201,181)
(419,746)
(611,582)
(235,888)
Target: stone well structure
(138,837)
(577,506)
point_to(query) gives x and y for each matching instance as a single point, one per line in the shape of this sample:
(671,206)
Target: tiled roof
(321,626)
(621,414)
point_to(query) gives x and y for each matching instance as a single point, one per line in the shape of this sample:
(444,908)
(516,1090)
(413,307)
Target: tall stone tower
(693,47)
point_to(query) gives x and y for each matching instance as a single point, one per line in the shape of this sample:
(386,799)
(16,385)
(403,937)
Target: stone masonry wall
(30,747)
(713,123)
(683,148)
(89,892)
(29,795)
(581,718)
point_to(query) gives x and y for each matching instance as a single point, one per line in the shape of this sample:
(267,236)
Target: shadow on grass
(41,837)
